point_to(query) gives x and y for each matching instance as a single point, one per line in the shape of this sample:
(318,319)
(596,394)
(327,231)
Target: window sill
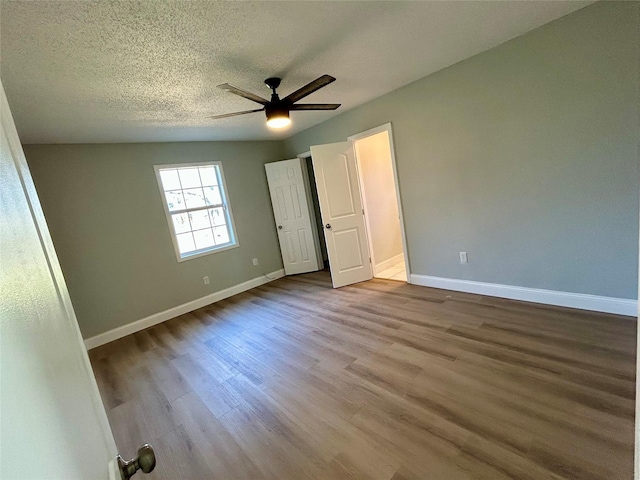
(206,252)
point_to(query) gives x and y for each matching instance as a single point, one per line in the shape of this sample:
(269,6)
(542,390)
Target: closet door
(288,186)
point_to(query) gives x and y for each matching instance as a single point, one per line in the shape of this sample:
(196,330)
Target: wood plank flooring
(379,380)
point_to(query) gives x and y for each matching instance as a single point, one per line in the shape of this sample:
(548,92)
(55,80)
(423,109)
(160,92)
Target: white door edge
(114,470)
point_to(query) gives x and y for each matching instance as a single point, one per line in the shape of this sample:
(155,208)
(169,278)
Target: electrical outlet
(463,257)
(255,262)
(205,280)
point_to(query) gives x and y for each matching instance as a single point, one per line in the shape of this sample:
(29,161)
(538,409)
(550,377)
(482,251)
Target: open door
(53,420)
(291,201)
(342,214)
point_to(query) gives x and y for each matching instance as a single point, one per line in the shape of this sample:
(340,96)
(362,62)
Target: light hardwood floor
(380,380)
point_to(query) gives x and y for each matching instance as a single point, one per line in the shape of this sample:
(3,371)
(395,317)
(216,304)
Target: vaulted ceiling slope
(122,71)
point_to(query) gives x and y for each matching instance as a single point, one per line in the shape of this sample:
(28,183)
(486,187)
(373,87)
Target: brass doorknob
(328,226)
(145,461)
(279,227)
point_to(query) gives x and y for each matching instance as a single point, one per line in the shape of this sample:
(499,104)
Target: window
(197,209)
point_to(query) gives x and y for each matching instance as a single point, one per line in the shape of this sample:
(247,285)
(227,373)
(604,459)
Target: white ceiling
(122,71)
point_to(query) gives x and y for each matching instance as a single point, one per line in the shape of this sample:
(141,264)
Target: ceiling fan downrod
(273,83)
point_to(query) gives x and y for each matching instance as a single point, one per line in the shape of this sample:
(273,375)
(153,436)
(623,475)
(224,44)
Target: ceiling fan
(277,109)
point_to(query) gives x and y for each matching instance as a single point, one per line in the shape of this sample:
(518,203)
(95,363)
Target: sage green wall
(104,210)
(525,156)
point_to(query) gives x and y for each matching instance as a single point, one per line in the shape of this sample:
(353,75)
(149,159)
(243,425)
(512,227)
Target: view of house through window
(196,207)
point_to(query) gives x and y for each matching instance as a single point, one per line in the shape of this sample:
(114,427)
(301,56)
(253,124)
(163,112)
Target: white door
(53,422)
(336,175)
(293,212)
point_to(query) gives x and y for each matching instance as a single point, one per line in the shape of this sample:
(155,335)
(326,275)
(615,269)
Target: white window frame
(226,204)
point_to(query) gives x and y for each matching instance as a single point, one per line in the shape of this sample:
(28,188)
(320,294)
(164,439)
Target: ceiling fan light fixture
(277,110)
(279,122)
(278,117)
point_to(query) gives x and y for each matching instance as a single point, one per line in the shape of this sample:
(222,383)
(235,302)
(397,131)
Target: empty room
(377,240)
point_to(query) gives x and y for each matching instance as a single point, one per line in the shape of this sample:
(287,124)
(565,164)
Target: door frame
(368,133)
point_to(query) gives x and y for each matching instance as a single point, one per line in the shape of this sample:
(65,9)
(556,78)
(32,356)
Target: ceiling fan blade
(314,106)
(226,115)
(309,88)
(248,95)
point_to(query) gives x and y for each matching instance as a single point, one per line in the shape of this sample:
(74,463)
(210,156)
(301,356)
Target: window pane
(194,198)
(199,220)
(208,176)
(212,195)
(221,235)
(181,223)
(217,216)
(204,238)
(170,180)
(185,242)
(189,177)
(175,201)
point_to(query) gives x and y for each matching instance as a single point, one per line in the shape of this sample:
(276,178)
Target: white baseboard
(620,306)
(388,263)
(165,315)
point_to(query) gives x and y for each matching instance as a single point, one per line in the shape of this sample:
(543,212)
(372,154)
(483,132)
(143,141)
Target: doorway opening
(380,199)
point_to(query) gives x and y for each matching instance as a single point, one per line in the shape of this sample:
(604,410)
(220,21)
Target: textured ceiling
(111,71)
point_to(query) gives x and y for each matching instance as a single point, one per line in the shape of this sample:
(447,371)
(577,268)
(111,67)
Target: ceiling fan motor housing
(277,109)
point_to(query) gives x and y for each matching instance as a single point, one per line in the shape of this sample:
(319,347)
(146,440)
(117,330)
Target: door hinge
(369,259)
(363,211)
